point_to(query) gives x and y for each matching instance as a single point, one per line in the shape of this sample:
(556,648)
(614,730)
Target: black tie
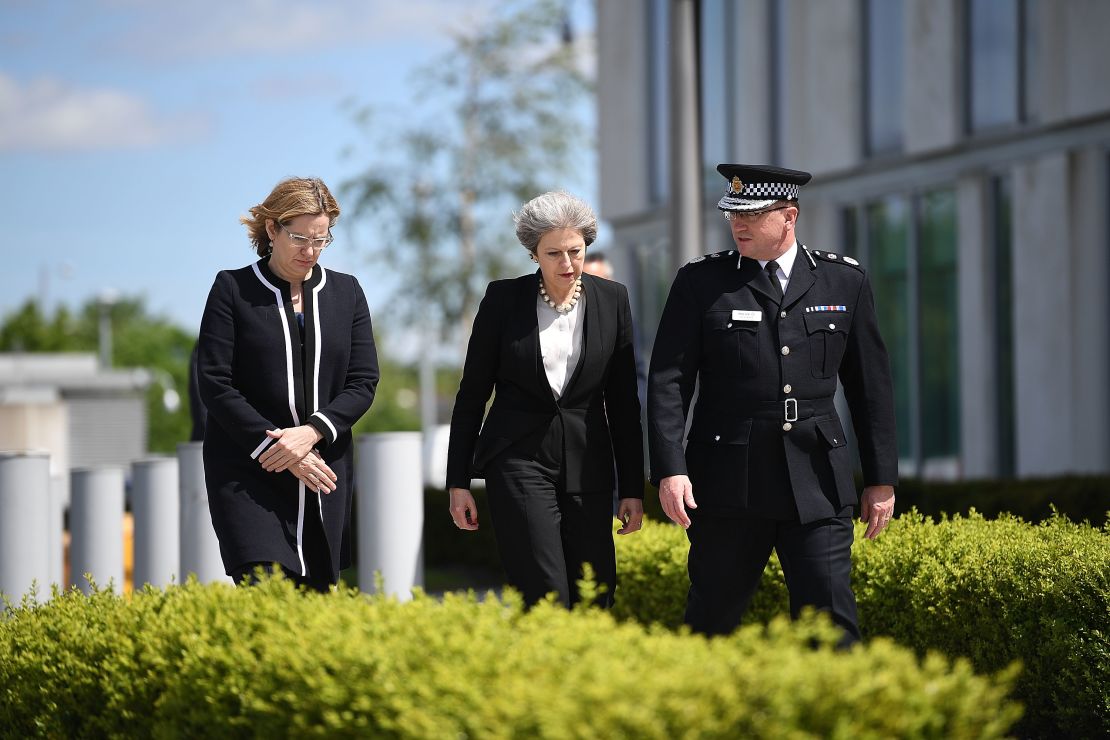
(772,269)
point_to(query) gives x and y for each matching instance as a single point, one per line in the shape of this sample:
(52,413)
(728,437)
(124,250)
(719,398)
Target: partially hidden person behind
(555,348)
(766,330)
(286,365)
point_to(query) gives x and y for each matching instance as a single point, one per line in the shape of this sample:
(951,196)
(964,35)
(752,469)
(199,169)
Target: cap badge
(737,185)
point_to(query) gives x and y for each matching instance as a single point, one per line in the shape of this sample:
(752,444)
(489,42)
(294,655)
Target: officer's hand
(876,507)
(631,513)
(674,491)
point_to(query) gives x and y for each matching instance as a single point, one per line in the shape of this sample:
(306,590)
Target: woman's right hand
(314,473)
(462,509)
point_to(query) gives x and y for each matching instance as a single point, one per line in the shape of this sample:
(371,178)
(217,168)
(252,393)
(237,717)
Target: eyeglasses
(748,216)
(300,241)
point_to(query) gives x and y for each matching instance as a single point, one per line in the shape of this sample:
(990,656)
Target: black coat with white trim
(724,327)
(255,373)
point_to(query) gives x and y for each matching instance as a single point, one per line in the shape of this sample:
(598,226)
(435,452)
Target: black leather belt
(789,409)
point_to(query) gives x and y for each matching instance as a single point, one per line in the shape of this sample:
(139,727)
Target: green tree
(506,110)
(138,340)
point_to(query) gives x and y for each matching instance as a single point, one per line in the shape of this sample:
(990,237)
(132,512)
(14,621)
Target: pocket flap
(831,431)
(730,432)
(827,321)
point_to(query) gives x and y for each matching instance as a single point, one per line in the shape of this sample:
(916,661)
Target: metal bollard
(24,524)
(389,477)
(200,549)
(96,527)
(156,509)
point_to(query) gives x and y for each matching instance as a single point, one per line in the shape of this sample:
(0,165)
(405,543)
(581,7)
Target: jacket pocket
(828,336)
(731,345)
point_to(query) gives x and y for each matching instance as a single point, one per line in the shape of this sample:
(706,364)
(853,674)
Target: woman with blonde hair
(286,365)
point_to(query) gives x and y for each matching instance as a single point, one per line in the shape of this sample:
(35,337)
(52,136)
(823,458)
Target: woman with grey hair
(555,348)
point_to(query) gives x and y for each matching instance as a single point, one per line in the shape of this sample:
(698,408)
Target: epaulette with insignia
(710,257)
(833,257)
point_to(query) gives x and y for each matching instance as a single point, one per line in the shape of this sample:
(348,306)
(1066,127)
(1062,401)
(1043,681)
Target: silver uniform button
(787,427)
(782,314)
(832,326)
(717,438)
(786,350)
(729,326)
(786,388)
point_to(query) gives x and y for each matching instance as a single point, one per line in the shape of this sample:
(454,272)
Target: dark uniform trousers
(544,534)
(766,452)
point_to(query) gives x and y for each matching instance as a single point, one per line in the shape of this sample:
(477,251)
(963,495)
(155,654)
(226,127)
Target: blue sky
(133,134)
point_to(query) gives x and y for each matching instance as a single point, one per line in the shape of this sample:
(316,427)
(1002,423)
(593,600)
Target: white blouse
(560,342)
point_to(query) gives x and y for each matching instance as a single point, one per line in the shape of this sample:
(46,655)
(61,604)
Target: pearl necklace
(564,307)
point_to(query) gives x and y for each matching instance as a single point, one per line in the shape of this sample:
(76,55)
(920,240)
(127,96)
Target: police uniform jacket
(599,411)
(258,370)
(764,437)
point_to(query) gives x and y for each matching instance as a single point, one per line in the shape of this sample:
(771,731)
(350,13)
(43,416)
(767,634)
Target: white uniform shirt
(560,342)
(786,264)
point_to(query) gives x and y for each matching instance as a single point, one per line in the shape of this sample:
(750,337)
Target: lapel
(801,278)
(591,332)
(752,274)
(529,329)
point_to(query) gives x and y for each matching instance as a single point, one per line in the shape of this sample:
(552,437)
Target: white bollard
(155,506)
(59,500)
(200,549)
(96,527)
(390,507)
(24,524)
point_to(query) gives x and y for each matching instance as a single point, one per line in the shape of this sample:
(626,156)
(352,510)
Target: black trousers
(728,555)
(545,534)
(314,548)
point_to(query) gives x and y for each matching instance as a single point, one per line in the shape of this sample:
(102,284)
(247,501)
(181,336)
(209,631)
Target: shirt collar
(785,260)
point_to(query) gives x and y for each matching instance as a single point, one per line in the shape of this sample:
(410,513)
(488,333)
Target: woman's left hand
(631,513)
(290,446)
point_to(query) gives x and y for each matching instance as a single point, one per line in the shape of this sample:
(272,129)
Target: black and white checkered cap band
(757,195)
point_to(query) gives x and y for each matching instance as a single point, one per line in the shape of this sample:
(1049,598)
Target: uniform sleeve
(869,390)
(215,358)
(478,378)
(622,407)
(671,378)
(361,382)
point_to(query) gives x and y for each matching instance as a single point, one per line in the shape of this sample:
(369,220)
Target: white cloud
(49,115)
(286,27)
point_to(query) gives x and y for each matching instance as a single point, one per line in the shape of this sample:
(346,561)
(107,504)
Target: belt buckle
(790,414)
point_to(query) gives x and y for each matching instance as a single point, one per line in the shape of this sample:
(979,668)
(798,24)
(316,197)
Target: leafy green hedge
(993,591)
(1078,497)
(214,661)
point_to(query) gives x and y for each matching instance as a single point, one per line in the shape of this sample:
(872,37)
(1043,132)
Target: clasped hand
(290,446)
(314,473)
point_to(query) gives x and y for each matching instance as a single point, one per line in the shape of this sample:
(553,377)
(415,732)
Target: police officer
(765,331)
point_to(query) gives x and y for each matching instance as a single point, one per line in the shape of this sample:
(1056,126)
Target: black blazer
(599,409)
(258,370)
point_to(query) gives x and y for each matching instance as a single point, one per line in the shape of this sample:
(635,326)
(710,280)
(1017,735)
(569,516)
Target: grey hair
(557,209)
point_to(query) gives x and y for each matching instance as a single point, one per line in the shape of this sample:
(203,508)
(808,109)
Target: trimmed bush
(1078,497)
(214,661)
(992,591)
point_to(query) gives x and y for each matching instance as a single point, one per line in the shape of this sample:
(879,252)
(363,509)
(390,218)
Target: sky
(135,133)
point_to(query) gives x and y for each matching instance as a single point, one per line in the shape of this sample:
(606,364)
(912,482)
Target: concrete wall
(933,104)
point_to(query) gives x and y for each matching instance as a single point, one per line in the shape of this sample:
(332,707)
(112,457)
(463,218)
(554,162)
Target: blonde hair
(290,198)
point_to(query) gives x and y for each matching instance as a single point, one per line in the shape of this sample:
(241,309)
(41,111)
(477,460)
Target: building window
(1001,51)
(939,333)
(909,245)
(889,268)
(883,64)
(1001,226)
(659,118)
(714,67)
